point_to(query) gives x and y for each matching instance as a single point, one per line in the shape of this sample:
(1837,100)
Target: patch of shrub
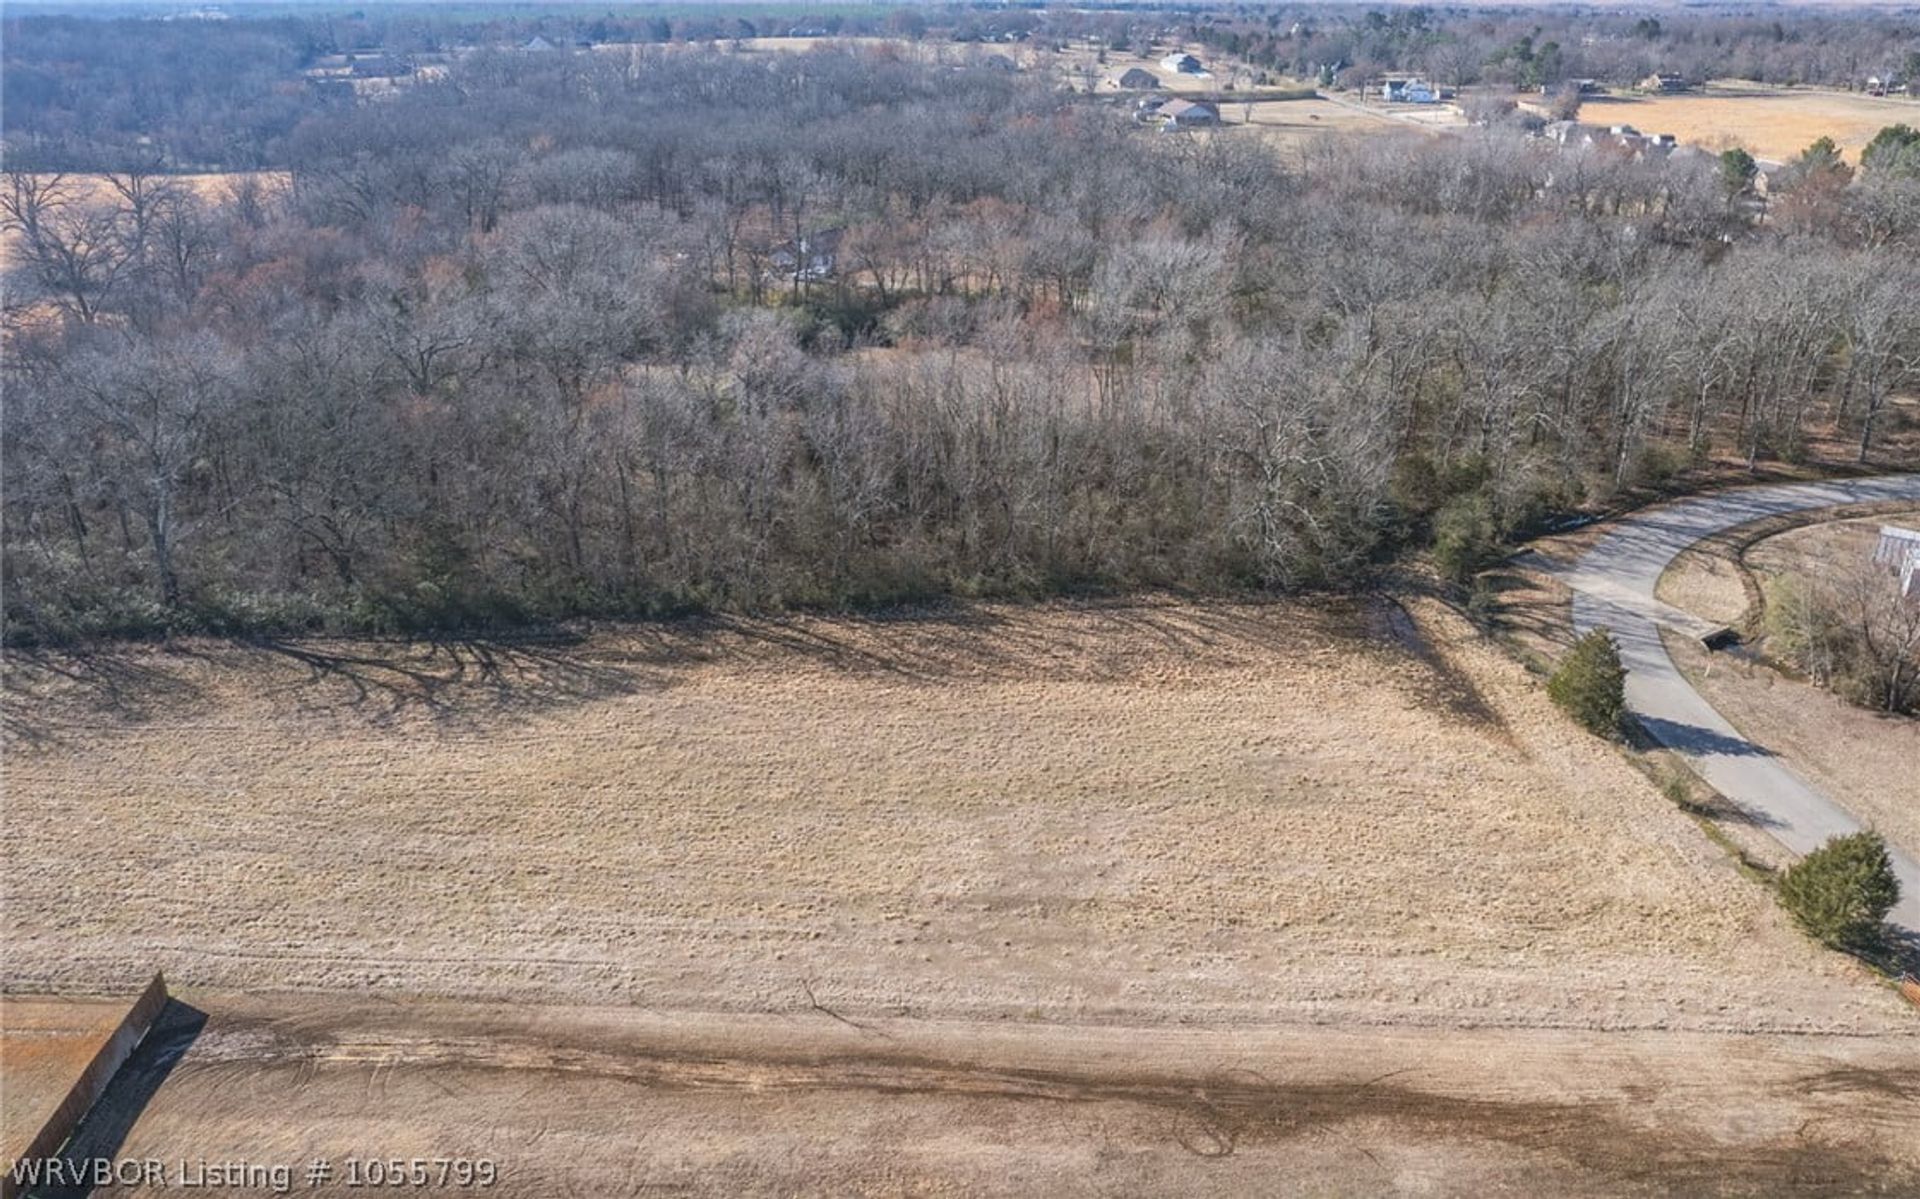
(1851,631)
(1591,684)
(1466,539)
(1842,891)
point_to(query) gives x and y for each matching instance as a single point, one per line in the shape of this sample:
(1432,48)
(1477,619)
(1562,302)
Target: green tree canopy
(1842,891)
(1822,160)
(1591,684)
(1894,150)
(1737,169)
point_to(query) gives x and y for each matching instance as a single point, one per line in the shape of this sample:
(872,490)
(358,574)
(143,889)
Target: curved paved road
(1613,585)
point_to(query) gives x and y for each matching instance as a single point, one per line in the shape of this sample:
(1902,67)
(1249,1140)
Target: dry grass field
(1290,124)
(1772,125)
(1076,899)
(1142,814)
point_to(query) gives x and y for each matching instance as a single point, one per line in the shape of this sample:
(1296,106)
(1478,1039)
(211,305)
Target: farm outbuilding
(1183,64)
(1189,114)
(1139,79)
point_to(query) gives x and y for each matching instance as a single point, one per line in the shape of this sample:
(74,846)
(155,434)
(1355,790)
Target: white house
(1900,549)
(1183,64)
(1409,91)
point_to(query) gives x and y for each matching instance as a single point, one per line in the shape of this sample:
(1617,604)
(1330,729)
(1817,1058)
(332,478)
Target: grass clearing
(1772,125)
(1139,813)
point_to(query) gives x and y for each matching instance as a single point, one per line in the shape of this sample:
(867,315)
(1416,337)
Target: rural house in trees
(1139,79)
(1409,91)
(1183,64)
(1665,83)
(813,256)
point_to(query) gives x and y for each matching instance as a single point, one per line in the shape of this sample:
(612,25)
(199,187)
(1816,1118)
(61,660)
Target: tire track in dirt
(1206,1114)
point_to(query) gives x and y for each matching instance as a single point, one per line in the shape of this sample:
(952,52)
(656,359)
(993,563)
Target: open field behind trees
(93,189)
(1772,125)
(1133,814)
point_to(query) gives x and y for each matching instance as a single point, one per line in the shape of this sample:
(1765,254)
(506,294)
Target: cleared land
(1144,813)
(1773,125)
(1076,899)
(607,1102)
(1291,124)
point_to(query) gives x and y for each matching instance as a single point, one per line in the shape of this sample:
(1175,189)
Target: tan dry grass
(1227,813)
(1771,125)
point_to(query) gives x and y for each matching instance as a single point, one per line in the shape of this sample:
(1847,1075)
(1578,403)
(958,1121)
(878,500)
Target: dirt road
(609,1102)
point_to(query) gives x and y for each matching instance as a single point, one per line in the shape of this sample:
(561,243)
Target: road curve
(1613,585)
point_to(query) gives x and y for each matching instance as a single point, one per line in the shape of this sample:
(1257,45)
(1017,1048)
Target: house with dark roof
(1189,114)
(1139,79)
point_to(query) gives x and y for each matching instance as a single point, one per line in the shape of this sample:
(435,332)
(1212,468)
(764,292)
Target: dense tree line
(89,94)
(1532,48)
(113,91)
(97,93)
(533,342)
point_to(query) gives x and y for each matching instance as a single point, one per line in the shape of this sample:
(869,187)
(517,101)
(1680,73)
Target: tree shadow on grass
(468,680)
(124,683)
(1898,952)
(449,678)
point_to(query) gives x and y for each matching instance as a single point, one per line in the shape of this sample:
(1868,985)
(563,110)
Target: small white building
(1900,549)
(1182,64)
(1409,91)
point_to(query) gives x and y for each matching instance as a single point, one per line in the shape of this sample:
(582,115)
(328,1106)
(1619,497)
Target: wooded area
(548,338)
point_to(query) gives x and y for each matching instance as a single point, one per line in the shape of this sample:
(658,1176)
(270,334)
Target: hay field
(1774,126)
(1289,124)
(1228,814)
